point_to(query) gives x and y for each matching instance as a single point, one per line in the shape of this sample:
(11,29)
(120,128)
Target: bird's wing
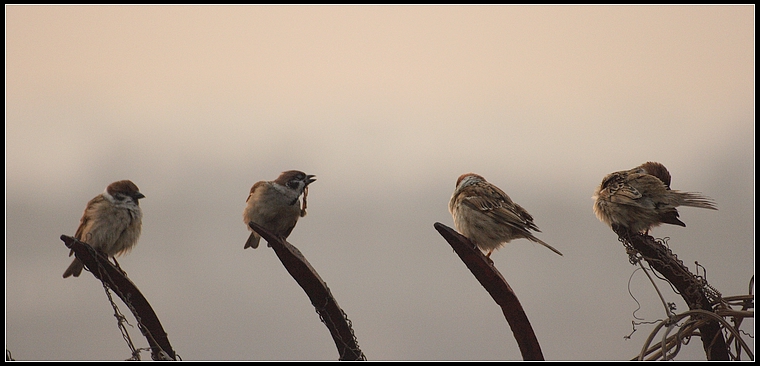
(87,217)
(256,185)
(623,191)
(498,205)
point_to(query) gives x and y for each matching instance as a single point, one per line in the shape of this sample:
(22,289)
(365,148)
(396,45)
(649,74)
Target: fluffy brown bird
(487,216)
(276,205)
(111,223)
(640,199)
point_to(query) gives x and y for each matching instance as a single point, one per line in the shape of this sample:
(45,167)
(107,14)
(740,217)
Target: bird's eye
(293,184)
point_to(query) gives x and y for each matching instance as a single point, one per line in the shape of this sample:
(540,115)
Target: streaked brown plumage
(111,223)
(487,216)
(275,205)
(653,168)
(641,198)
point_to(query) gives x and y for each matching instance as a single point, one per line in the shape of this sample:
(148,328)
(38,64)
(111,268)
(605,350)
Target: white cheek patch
(126,201)
(108,196)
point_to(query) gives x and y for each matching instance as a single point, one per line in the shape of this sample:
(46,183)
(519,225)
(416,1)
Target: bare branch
(318,292)
(148,323)
(484,271)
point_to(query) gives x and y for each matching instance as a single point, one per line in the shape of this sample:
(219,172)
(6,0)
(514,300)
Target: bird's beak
(139,195)
(310,178)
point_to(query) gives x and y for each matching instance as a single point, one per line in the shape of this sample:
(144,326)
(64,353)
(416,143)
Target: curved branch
(484,271)
(147,320)
(319,294)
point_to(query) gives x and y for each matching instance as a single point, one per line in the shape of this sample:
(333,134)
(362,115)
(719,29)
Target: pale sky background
(387,105)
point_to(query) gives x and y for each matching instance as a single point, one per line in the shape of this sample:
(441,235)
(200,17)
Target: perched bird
(487,216)
(640,199)
(111,223)
(275,205)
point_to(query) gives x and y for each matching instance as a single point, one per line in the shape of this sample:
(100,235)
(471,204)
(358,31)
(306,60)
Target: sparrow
(488,217)
(111,223)
(276,204)
(641,198)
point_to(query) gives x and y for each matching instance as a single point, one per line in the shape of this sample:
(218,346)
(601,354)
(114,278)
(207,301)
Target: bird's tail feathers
(75,269)
(696,200)
(253,241)
(539,241)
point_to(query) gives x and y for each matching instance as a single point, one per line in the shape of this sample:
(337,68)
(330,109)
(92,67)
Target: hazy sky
(387,105)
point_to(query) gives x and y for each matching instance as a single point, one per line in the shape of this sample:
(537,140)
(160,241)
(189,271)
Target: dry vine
(708,309)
